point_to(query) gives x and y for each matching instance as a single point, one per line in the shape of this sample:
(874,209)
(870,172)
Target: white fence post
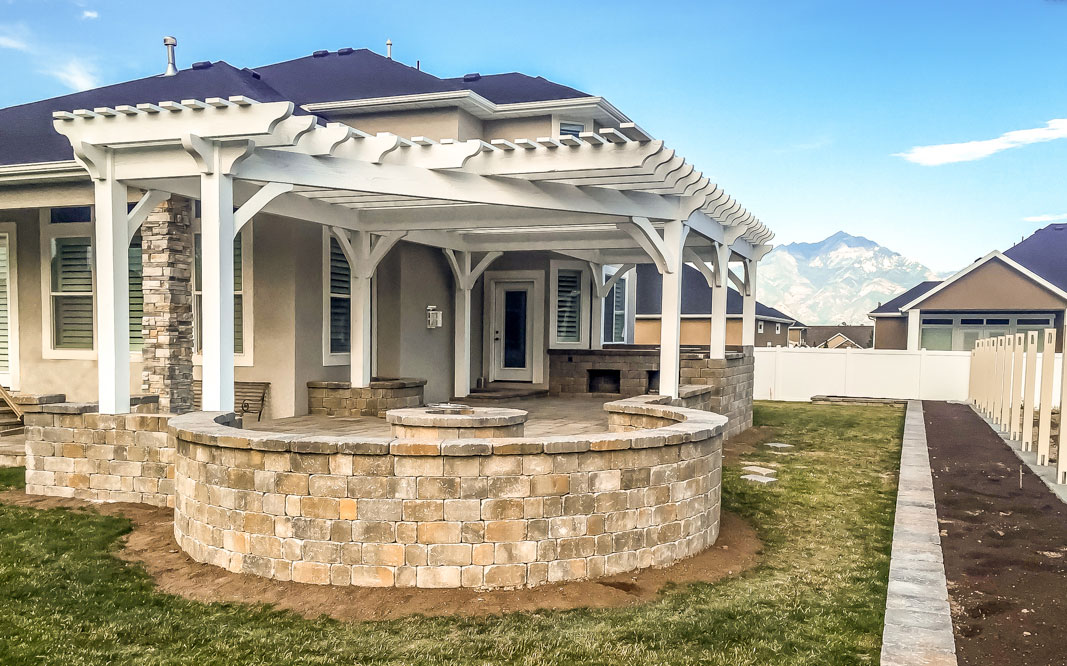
(1044,421)
(1026,426)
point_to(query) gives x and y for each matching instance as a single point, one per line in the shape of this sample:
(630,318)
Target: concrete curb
(918,622)
(1047,473)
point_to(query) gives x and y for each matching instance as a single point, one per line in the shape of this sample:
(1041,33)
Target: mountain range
(836,280)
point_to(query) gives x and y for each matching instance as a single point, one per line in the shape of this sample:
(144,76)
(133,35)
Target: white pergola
(611,197)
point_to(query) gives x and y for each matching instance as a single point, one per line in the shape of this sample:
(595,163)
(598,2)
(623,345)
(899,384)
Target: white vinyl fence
(798,373)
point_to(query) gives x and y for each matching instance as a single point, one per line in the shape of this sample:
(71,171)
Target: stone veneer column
(167,253)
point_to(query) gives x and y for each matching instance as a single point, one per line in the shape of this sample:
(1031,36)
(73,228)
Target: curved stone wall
(492,513)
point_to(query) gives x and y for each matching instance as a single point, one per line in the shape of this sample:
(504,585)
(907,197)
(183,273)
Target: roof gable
(994,282)
(893,305)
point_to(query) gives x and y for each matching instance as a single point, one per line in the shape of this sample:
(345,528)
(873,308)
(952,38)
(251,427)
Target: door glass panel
(514,337)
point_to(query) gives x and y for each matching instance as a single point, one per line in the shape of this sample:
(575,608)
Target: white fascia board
(995,254)
(473,103)
(36,172)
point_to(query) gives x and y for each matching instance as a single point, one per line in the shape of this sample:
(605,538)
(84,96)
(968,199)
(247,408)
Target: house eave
(473,103)
(41,172)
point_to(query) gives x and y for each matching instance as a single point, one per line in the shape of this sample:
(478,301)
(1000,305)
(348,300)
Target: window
(777,329)
(238,292)
(67,253)
(953,332)
(570,128)
(337,302)
(615,309)
(759,326)
(72,292)
(569,305)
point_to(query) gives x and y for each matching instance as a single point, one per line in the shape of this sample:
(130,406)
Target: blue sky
(819,115)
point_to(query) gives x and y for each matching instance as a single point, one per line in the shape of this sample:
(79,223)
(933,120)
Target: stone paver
(918,623)
(756,469)
(779,445)
(13,451)
(759,478)
(548,416)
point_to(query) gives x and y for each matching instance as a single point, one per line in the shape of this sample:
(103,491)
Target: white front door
(512,331)
(8,310)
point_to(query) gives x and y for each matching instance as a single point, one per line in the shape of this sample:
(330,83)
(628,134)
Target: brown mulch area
(1005,547)
(152,545)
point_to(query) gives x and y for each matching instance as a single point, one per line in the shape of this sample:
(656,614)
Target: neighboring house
(839,337)
(1021,289)
(335,218)
(772,326)
(797,332)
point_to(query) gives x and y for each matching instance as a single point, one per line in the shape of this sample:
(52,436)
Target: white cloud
(14,37)
(969,151)
(75,74)
(1045,218)
(90,14)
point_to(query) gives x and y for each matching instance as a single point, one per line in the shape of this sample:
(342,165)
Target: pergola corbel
(611,197)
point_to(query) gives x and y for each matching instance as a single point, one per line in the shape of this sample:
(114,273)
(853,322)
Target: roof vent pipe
(170,43)
(389,49)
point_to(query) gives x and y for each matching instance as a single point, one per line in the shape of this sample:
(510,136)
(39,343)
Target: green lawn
(816,598)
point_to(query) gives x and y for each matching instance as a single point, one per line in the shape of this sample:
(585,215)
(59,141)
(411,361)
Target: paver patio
(548,416)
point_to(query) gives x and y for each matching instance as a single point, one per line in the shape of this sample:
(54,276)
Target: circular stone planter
(490,512)
(449,421)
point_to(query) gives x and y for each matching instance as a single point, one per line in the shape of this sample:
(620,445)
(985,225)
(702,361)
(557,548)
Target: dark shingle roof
(892,306)
(696,295)
(360,74)
(514,87)
(1044,252)
(27,135)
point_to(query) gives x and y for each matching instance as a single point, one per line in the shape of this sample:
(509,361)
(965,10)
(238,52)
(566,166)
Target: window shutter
(72,287)
(340,300)
(618,331)
(568,305)
(5,317)
(136,294)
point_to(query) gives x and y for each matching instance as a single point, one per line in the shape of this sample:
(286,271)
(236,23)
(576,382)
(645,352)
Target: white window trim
(759,326)
(777,328)
(557,119)
(585,287)
(15,379)
(245,358)
(48,232)
(330,358)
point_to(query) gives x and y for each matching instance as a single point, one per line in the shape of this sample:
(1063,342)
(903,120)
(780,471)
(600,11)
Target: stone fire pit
(451,421)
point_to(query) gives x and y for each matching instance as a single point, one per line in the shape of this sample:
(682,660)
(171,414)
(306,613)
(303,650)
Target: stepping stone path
(779,445)
(759,478)
(756,469)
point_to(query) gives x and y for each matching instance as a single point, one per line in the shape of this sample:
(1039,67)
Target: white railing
(798,373)
(1012,378)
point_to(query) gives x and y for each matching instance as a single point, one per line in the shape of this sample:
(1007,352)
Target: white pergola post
(465,278)
(216,237)
(914,329)
(674,235)
(113,293)
(364,252)
(748,305)
(717,344)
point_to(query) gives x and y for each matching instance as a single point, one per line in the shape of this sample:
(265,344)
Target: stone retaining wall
(492,513)
(731,378)
(73,451)
(342,399)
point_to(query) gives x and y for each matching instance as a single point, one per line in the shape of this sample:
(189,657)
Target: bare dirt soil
(1005,547)
(151,544)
